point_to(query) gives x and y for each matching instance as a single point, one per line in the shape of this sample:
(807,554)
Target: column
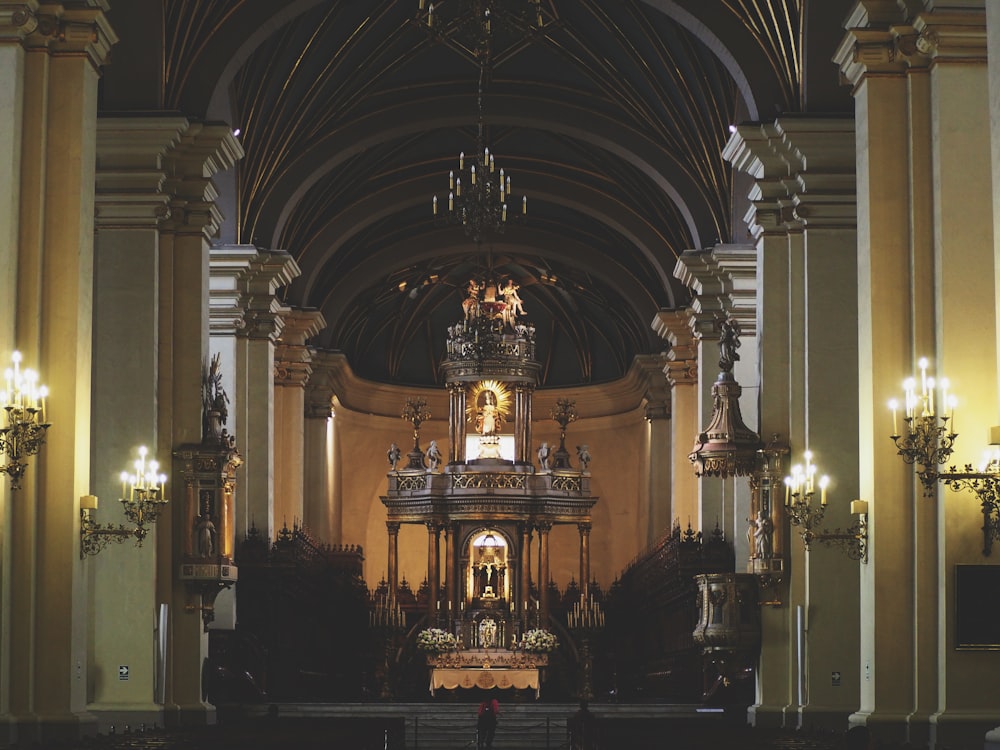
(543,573)
(584,529)
(894,327)
(320,512)
(522,423)
(183,356)
(55,273)
(524,597)
(129,207)
(656,459)
(292,370)
(451,570)
(751,149)
(17,570)
(456,422)
(433,571)
(965,285)
(253,401)
(681,373)
(392,527)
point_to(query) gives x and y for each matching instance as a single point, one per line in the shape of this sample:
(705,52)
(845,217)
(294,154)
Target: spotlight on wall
(23,433)
(142,501)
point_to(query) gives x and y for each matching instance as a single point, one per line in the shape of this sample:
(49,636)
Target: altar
(487,669)
(486,678)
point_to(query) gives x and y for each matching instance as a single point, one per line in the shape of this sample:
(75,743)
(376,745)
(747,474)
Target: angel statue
(583,454)
(393,454)
(543,457)
(434,456)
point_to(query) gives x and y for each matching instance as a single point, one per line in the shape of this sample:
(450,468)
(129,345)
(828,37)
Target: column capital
(18,20)
(81,29)
(319,391)
(584,527)
(130,172)
(392,527)
(723,279)
(204,150)
(952,36)
(682,357)
(656,390)
(292,358)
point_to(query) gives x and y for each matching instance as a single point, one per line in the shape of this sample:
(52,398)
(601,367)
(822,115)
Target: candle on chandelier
(503,213)
(524,205)
(461,161)
(451,201)
(893,404)
(451,180)
(824,482)
(473,171)
(458,186)
(435,204)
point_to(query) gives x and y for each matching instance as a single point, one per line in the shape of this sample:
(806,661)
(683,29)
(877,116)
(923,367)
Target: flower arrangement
(539,642)
(436,641)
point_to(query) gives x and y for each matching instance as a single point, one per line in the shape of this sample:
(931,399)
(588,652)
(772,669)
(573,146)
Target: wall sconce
(928,441)
(800,487)
(142,501)
(985,483)
(24,428)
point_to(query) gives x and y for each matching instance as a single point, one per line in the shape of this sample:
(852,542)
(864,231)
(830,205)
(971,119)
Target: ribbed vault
(610,118)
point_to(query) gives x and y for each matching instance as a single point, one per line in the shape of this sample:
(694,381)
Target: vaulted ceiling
(608,116)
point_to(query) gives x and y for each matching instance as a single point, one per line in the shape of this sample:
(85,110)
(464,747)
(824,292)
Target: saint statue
(433,456)
(760,535)
(489,420)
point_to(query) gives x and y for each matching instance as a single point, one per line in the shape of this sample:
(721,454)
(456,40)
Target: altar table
(450,678)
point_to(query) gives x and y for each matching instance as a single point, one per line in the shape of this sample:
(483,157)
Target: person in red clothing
(486,724)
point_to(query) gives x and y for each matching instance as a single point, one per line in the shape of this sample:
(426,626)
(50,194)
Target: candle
(930,397)
(524,205)
(922,364)
(451,201)
(451,180)
(458,186)
(893,404)
(435,204)
(503,213)
(788,490)
(461,160)
(472,170)
(430,14)
(823,483)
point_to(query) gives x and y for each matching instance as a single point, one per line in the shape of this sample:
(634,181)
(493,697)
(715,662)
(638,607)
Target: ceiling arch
(611,119)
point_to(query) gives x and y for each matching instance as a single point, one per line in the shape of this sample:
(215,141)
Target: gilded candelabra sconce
(928,439)
(929,443)
(800,488)
(586,621)
(142,500)
(23,433)
(985,483)
(415,412)
(564,413)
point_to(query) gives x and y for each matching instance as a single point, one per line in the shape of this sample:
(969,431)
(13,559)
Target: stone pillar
(656,456)
(433,572)
(584,529)
(456,422)
(543,573)
(292,369)
(682,376)
(811,213)
(522,423)
(51,85)
(129,207)
(320,512)
(451,569)
(183,356)
(524,597)
(964,274)
(392,528)
(253,401)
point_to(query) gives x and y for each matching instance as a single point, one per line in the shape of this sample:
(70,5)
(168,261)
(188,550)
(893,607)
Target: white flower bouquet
(539,642)
(436,641)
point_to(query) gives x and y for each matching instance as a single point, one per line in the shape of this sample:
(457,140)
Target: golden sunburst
(477,398)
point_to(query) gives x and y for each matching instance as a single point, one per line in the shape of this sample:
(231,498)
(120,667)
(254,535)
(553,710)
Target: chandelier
(479,196)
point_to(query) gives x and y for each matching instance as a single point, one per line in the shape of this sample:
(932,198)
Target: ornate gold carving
(488,481)
(409,483)
(567,484)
